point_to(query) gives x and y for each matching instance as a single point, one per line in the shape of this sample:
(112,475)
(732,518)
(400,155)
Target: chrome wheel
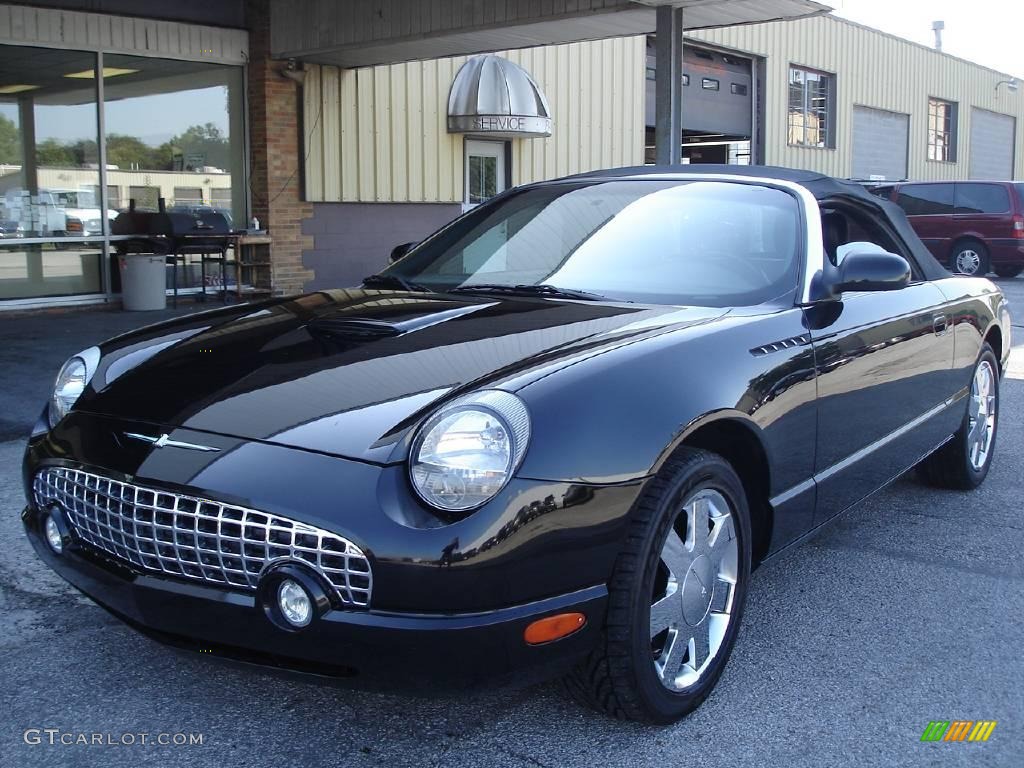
(694,590)
(981,415)
(968,261)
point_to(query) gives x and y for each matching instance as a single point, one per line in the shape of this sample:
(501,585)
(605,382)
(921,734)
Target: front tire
(964,461)
(676,595)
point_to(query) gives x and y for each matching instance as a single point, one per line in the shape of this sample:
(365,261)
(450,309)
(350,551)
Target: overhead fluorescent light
(17,88)
(90,74)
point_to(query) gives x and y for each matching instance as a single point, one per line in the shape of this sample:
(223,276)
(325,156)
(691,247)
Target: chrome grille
(195,538)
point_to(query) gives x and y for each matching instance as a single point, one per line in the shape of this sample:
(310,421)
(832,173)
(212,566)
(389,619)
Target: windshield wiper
(530,290)
(393,281)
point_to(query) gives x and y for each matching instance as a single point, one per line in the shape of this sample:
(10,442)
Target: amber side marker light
(553,628)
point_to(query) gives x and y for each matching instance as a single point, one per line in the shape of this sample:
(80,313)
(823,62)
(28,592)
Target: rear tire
(675,596)
(1008,270)
(969,257)
(964,461)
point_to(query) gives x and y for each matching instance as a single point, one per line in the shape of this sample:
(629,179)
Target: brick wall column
(275,174)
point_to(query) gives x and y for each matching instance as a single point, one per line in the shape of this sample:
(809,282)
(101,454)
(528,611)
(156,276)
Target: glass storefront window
(174,131)
(49,173)
(49,158)
(49,269)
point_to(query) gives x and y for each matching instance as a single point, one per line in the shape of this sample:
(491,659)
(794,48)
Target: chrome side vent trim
(778,346)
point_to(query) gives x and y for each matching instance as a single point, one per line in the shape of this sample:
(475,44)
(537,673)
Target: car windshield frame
(443,244)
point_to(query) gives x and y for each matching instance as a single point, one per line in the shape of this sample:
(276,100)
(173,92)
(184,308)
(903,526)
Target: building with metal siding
(382,168)
(883,72)
(378,134)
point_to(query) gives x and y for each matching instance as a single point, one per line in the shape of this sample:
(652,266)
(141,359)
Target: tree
(10,142)
(53,153)
(202,145)
(86,152)
(128,152)
(206,141)
(203,133)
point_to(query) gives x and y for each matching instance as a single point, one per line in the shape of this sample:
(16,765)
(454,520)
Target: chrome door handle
(940,324)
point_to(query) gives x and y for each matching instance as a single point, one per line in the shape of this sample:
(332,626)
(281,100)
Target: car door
(884,369)
(929,208)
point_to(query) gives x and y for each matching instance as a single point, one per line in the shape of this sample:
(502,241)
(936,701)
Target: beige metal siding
(24,25)
(873,69)
(379,134)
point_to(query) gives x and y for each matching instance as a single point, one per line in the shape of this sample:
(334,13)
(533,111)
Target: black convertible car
(554,437)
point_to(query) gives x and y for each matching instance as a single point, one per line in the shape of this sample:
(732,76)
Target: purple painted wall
(353,240)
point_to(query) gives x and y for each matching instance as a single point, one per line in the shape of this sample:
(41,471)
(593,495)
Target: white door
(485,171)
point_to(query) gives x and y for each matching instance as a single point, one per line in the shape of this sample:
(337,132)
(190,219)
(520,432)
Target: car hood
(348,372)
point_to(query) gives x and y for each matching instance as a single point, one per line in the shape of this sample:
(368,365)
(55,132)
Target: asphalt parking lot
(907,610)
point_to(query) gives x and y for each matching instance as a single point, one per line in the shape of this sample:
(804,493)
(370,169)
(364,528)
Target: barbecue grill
(175,236)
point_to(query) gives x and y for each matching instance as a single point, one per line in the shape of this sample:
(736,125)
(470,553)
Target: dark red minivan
(973,227)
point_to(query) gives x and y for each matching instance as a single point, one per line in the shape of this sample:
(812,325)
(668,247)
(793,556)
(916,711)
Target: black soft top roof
(821,186)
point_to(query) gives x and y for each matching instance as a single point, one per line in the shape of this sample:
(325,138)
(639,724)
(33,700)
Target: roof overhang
(348,33)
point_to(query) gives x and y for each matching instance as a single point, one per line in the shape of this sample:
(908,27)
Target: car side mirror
(400,250)
(869,271)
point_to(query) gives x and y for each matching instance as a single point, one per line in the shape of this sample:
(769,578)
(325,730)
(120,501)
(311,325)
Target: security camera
(293,71)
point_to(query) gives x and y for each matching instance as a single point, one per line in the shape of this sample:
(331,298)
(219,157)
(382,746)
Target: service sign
(505,126)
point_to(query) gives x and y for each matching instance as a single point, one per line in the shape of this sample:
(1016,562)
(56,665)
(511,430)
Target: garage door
(879,143)
(991,145)
(717,92)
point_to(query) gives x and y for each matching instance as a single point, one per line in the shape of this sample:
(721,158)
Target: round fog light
(53,535)
(295,603)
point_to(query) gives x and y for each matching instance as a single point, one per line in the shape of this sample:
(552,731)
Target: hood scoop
(372,328)
(353,327)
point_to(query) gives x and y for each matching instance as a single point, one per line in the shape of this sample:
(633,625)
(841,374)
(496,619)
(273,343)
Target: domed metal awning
(491,95)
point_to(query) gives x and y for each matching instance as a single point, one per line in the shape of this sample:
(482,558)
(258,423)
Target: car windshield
(710,243)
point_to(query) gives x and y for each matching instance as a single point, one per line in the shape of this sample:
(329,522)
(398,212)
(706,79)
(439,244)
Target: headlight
(71,382)
(467,451)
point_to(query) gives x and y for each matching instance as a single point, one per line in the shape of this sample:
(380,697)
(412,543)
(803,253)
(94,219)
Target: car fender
(976,308)
(966,234)
(689,432)
(618,416)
